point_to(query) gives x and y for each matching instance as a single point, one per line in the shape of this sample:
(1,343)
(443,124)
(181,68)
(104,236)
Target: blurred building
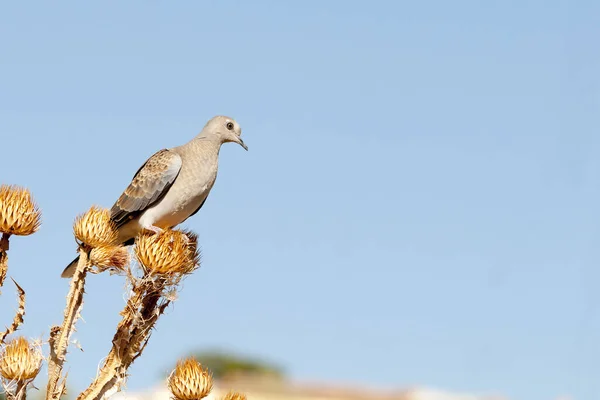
(257,389)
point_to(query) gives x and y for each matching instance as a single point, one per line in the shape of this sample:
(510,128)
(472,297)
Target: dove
(172,185)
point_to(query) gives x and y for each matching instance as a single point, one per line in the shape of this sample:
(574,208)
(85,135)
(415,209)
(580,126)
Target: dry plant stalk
(94,229)
(19,315)
(165,258)
(60,336)
(3,258)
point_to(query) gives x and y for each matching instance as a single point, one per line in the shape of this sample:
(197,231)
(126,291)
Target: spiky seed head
(168,252)
(105,257)
(235,396)
(19,215)
(20,360)
(189,380)
(95,228)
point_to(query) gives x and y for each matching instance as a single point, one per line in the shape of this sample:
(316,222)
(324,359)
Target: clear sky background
(419,205)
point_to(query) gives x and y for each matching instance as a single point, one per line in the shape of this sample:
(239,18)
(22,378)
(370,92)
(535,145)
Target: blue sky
(419,205)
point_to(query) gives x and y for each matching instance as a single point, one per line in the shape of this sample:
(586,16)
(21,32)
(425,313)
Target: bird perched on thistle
(172,185)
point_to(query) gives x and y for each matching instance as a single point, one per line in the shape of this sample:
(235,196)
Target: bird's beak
(241,143)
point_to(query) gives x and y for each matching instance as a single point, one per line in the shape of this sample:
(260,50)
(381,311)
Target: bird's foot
(154,229)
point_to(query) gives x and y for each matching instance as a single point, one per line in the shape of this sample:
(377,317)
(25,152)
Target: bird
(172,185)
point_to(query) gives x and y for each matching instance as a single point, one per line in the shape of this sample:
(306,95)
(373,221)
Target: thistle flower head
(95,228)
(235,396)
(169,252)
(189,381)
(105,257)
(19,215)
(20,360)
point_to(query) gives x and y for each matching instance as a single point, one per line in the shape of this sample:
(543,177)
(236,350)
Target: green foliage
(223,364)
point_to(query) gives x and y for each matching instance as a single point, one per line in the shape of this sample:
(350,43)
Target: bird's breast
(187,193)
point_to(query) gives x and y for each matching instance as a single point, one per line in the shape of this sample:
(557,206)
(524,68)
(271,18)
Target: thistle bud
(105,257)
(19,215)
(168,252)
(95,228)
(235,396)
(19,360)
(189,381)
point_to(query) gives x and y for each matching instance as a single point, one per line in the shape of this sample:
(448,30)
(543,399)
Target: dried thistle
(168,253)
(189,381)
(105,257)
(20,360)
(19,315)
(59,336)
(143,308)
(95,228)
(19,215)
(235,396)
(165,257)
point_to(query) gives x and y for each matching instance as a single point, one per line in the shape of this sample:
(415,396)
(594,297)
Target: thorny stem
(59,337)
(19,392)
(19,315)
(4,245)
(133,332)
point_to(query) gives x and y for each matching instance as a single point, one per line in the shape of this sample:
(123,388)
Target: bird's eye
(230,126)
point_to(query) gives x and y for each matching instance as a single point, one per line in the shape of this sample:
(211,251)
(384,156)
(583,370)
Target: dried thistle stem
(19,392)
(59,341)
(133,332)
(19,315)
(4,245)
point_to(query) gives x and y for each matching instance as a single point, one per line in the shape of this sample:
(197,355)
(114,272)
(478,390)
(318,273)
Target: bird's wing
(149,184)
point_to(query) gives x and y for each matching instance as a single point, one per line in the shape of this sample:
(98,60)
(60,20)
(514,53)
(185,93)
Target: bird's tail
(70,270)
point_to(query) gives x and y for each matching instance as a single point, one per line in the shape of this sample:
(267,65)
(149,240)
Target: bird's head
(227,129)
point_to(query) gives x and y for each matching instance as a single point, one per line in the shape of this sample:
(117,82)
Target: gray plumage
(172,185)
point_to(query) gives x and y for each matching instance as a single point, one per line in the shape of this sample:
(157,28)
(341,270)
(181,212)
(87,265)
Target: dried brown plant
(170,253)
(20,362)
(190,381)
(163,260)
(109,257)
(19,315)
(60,336)
(235,396)
(95,228)
(19,215)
